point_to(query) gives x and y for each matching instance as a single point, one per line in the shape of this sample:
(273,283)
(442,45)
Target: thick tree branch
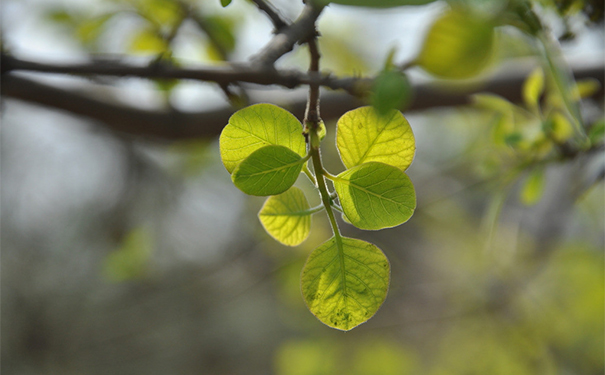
(160,70)
(176,125)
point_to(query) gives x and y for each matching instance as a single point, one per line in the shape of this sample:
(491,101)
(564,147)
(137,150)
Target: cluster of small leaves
(345,280)
(540,130)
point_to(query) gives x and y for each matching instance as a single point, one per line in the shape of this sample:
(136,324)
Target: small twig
(277,20)
(283,42)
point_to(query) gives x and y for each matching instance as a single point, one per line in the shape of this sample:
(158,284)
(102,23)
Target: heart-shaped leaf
(286,217)
(345,281)
(375,196)
(362,135)
(270,170)
(256,126)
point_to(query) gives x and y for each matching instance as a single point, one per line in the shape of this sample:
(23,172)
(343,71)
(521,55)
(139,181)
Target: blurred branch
(283,42)
(266,7)
(173,125)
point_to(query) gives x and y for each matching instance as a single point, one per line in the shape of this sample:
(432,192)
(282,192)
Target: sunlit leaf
(363,136)
(585,88)
(286,217)
(392,90)
(345,281)
(256,126)
(375,3)
(147,40)
(322,131)
(533,87)
(533,188)
(270,170)
(561,128)
(458,45)
(375,195)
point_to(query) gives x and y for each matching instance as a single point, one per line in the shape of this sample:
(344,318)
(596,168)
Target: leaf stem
(309,175)
(312,121)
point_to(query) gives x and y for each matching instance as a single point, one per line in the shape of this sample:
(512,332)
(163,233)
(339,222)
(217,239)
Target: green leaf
(286,217)
(345,281)
(597,132)
(533,87)
(458,45)
(256,126)
(363,136)
(533,188)
(224,3)
(392,90)
(270,170)
(131,259)
(375,3)
(375,196)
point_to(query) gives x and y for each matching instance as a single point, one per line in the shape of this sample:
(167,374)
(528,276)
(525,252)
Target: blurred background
(130,255)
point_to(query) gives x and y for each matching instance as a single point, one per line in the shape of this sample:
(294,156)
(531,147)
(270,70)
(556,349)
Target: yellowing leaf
(286,217)
(585,88)
(533,87)
(533,188)
(458,45)
(375,195)
(147,40)
(363,136)
(256,126)
(345,281)
(561,128)
(269,170)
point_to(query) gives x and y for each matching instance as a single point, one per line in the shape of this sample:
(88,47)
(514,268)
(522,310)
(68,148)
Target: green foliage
(224,3)
(458,45)
(130,260)
(533,188)
(256,126)
(345,281)
(375,195)
(363,135)
(392,90)
(270,170)
(286,217)
(533,88)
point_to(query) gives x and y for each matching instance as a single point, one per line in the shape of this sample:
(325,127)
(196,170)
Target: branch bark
(170,126)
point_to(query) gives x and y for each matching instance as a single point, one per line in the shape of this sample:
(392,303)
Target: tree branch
(284,41)
(278,22)
(171,126)
(160,70)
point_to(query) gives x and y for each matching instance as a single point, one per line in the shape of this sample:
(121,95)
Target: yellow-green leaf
(286,217)
(533,87)
(345,281)
(147,40)
(458,45)
(533,188)
(375,196)
(270,170)
(256,126)
(363,136)
(585,88)
(561,128)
